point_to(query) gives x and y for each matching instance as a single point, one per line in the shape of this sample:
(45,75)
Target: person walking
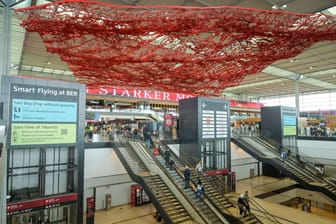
(200,189)
(147,139)
(246,200)
(187,173)
(241,205)
(283,156)
(199,169)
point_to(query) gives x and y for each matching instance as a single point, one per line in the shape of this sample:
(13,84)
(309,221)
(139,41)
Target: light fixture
(46,62)
(276,7)
(293,60)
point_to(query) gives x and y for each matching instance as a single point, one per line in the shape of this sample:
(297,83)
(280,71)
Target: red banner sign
(168,120)
(216,172)
(158,95)
(27,206)
(138,93)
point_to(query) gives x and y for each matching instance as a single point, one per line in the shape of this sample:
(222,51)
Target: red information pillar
(90,205)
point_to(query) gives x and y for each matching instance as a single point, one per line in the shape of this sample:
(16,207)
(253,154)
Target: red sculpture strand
(193,50)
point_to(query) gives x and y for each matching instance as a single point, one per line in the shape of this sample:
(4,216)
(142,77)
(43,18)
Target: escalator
(215,194)
(159,193)
(303,174)
(202,205)
(173,208)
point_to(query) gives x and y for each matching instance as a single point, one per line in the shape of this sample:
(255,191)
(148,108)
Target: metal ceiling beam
(285,75)
(307,78)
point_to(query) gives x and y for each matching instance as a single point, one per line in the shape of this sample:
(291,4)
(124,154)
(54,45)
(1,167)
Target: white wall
(102,162)
(318,149)
(242,163)
(104,172)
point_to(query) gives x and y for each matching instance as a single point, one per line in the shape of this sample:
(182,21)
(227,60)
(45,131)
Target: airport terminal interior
(181,111)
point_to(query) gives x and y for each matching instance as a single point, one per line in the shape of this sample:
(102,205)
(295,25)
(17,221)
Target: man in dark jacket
(187,173)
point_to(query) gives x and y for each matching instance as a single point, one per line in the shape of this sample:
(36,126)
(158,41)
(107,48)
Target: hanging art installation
(192,50)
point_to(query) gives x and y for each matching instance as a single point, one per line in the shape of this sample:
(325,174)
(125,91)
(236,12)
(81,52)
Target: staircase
(304,174)
(165,201)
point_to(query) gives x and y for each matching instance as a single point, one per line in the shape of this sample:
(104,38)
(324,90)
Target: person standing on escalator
(199,169)
(187,173)
(246,200)
(167,157)
(283,156)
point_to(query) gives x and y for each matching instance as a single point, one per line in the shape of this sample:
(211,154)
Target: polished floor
(286,215)
(127,214)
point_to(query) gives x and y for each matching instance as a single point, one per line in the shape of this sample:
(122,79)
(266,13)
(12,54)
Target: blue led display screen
(43,111)
(289,120)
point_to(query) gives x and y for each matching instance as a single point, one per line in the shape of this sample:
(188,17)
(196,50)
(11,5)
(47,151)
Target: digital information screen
(289,130)
(215,122)
(289,125)
(43,115)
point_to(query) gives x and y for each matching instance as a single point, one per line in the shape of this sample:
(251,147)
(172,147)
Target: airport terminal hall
(167,111)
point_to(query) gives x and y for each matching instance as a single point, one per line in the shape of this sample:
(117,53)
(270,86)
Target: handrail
(186,197)
(212,200)
(141,181)
(193,185)
(309,166)
(259,206)
(196,207)
(263,210)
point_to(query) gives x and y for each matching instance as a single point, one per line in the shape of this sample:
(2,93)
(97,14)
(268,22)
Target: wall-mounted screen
(43,115)
(289,130)
(289,120)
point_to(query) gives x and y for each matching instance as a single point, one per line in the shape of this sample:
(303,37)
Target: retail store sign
(42,115)
(138,93)
(159,95)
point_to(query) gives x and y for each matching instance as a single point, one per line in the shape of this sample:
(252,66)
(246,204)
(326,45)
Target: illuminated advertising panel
(289,125)
(289,130)
(168,120)
(289,120)
(42,115)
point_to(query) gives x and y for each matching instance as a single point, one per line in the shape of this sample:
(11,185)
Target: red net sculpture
(195,50)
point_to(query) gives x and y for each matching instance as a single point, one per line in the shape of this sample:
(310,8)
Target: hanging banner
(168,120)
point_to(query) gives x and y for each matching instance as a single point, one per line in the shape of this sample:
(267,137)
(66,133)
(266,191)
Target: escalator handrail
(157,204)
(174,183)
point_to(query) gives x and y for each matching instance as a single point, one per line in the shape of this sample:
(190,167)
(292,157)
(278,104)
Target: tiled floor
(144,214)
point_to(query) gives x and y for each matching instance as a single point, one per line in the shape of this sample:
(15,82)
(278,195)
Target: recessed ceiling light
(293,60)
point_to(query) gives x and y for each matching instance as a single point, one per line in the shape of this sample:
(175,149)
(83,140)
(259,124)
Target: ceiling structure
(316,67)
